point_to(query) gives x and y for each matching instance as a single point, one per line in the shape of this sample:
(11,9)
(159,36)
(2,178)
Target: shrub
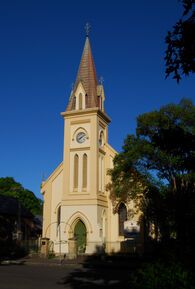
(162,276)
(51,255)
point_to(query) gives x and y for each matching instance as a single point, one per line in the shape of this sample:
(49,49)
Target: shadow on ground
(103,271)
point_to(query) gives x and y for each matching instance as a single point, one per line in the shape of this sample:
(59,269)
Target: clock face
(81,137)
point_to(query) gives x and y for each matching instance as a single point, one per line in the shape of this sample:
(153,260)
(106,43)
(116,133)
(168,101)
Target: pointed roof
(87,76)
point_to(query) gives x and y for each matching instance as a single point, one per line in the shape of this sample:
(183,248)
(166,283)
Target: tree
(9,187)
(180,52)
(159,162)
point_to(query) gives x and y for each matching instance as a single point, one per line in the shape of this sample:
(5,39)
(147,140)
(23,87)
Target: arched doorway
(80,234)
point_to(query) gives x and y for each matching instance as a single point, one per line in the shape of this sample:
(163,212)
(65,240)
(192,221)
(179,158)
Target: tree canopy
(180,52)
(159,162)
(9,187)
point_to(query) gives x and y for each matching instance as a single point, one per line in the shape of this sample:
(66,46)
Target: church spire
(86,75)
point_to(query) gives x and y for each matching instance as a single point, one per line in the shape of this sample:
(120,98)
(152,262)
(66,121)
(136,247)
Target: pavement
(14,276)
(86,272)
(36,259)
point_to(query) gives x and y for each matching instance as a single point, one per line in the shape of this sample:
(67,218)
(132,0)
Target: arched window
(84,171)
(101,173)
(100,102)
(104,223)
(86,101)
(101,139)
(58,219)
(59,216)
(122,217)
(80,101)
(74,103)
(76,171)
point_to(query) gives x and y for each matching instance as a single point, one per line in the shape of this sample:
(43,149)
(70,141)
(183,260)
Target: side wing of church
(76,203)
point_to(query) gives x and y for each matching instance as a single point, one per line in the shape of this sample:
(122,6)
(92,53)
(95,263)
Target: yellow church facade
(77,205)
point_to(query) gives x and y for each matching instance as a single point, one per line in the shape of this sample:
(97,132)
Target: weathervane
(87,28)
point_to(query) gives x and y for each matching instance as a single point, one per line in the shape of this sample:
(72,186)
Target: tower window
(100,102)
(86,101)
(76,171)
(84,171)
(101,173)
(122,217)
(80,101)
(74,103)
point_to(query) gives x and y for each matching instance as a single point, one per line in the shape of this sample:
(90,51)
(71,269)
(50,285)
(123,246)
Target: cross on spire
(87,29)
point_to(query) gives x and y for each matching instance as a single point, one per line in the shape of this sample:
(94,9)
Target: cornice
(86,111)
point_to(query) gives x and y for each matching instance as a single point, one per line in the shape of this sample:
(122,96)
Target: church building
(76,202)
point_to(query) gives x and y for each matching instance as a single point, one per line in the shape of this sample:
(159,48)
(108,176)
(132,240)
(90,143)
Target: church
(77,205)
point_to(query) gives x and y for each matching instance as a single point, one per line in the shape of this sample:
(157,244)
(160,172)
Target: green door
(80,234)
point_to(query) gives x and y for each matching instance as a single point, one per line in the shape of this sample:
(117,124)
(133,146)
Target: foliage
(51,255)
(11,250)
(9,187)
(160,276)
(180,52)
(159,163)
(6,229)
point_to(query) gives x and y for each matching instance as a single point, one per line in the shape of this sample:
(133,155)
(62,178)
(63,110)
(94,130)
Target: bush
(162,276)
(11,250)
(51,255)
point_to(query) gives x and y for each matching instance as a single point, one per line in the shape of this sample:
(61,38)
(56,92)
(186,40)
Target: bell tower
(85,136)
(87,157)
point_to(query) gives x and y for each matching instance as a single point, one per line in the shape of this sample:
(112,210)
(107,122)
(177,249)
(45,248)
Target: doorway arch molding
(72,221)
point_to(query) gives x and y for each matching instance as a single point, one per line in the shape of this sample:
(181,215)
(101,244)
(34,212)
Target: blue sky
(40,49)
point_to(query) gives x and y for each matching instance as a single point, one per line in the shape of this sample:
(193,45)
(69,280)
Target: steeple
(86,75)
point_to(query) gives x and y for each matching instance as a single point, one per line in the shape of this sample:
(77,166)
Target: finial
(87,29)
(101,80)
(43,177)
